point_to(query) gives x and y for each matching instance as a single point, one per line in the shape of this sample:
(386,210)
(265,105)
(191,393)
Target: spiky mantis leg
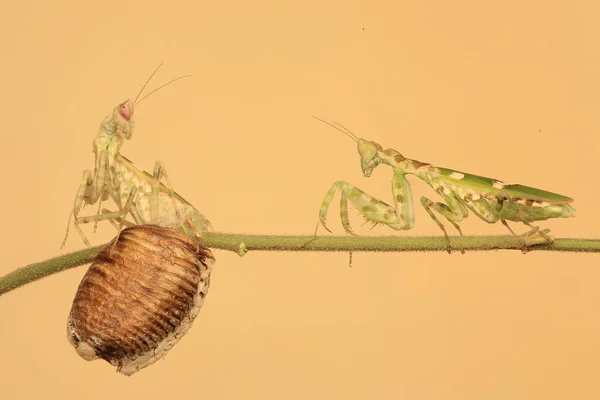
(452,210)
(104,159)
(92,188)
(79,203)
(399,217)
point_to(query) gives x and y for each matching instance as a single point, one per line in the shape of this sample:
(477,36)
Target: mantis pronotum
(489,199)
(135,192)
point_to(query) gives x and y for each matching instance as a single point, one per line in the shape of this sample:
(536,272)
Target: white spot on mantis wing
(457,175)
(541,204)
(498,185)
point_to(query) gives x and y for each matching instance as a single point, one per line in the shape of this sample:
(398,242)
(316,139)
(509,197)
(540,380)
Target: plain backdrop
(508,90)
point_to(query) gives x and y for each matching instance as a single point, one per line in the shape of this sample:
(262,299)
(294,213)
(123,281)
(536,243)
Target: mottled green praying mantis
(489,199)
(135,192)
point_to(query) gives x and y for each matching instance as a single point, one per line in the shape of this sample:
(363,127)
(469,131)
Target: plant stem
(243,243)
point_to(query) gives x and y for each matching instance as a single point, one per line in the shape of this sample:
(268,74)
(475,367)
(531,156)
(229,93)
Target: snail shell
(139,297)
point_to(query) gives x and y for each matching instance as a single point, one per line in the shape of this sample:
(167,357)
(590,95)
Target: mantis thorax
(372,154)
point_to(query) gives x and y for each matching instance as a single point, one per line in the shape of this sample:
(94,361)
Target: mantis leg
(118,219)
(403,202)
(100,190)
(326,203)
(508,227)
(532,236)
(452,210)
(125,211)
(502,197)
(85,192)
(96,187)
(161,172)
(93,187)
(491,212)
(108,216)
(400,217)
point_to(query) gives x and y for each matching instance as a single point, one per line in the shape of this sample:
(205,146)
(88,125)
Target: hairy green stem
(243,243)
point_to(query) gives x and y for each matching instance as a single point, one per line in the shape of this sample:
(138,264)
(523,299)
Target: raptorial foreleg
(399,217)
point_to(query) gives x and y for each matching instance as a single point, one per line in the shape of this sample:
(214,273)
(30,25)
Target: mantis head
(369,159)
(369,151)
(123,114)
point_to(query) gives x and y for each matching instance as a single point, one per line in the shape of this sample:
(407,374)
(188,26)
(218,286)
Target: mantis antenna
(135,102)
(160,87)
(340,128)
(148,81)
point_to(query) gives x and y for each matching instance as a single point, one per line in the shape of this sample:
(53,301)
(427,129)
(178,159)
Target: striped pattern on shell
(139,297)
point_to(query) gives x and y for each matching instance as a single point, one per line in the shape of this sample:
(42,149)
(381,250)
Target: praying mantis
(489,199)
(135,192)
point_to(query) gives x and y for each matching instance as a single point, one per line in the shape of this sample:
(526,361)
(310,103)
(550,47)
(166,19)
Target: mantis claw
(325,225)
(448,247)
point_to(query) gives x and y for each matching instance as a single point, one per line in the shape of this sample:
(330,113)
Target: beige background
(499,89)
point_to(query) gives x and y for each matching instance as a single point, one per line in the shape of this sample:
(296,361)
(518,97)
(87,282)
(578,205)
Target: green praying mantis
(489,199)
(135,192)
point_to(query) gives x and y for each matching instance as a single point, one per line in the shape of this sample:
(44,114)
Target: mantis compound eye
(126,110)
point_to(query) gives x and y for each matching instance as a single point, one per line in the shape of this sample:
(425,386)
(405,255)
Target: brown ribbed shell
(139,297)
